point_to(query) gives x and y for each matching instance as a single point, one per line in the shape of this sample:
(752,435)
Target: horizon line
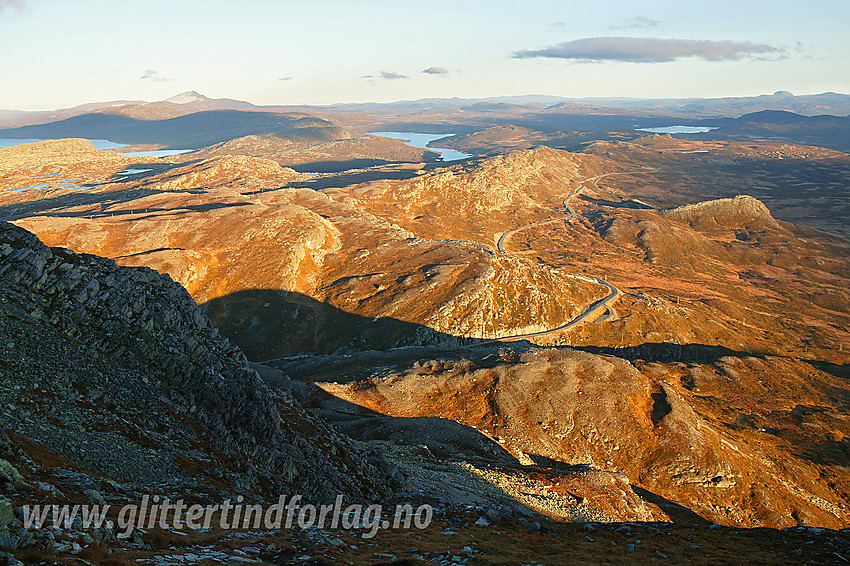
(122,102)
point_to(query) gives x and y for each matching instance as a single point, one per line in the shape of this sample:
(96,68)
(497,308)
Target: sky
(61,53)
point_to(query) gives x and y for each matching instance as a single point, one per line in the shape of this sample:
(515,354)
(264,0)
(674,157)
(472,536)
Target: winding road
(598,310)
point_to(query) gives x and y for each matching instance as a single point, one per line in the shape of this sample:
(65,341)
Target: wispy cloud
(17,5)
(638,22)
(653,50)
(285,78)
(151,75)
(436,71)
(392,76)
(385,75)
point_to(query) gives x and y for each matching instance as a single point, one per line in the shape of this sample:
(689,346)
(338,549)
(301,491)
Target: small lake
(155,153)
(414,139)
(677,130)
(60,184)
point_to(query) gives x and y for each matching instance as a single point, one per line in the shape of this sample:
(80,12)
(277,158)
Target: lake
(155,153)
(414,139)
(677,130)
(61,184)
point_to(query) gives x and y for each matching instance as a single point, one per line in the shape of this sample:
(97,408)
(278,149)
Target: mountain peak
(738,212)
(186,97)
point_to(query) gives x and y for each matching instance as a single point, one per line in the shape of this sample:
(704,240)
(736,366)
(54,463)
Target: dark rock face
(118,371)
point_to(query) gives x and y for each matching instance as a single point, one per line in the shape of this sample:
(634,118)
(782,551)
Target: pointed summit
(186,97)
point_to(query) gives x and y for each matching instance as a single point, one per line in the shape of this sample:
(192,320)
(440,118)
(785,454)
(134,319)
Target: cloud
(653,50)
(285,78)
(151,75)
(392,76)
(386,75)
(638,22)
(436,71)
(11,4)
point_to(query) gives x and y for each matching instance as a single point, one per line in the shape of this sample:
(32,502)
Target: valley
(564,323)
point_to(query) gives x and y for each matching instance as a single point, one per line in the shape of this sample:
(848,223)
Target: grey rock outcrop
(123,365)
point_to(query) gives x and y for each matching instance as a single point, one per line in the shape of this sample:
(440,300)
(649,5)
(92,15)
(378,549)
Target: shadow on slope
(268,324)
(306,337)
(337,166)
(190,131)
(669,352)
(436,437)
(357,171)
(68,205)
(434,453)
(58,205)
(615,204)
(678,513)
(61,204)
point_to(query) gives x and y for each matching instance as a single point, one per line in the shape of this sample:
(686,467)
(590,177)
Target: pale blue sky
(59,53)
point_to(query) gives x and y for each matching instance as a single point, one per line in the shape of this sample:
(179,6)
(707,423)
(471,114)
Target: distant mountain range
(191,120)
(807,105)
(189,131)
(832,103)
(179,105)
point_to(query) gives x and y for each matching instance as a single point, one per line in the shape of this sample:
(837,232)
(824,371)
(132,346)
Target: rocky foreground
(115,383)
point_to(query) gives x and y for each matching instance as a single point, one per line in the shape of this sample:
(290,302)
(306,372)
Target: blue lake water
(422,140)
(677,130)
(155,153)
(32,188)
(61,184)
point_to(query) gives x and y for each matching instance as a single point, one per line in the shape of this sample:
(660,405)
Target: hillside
(188,131)
(115,383)
(413,351)
(319,156)
(802,184)
(251,241)
(732,437)
(250,248)
(822,130)
(116,334)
